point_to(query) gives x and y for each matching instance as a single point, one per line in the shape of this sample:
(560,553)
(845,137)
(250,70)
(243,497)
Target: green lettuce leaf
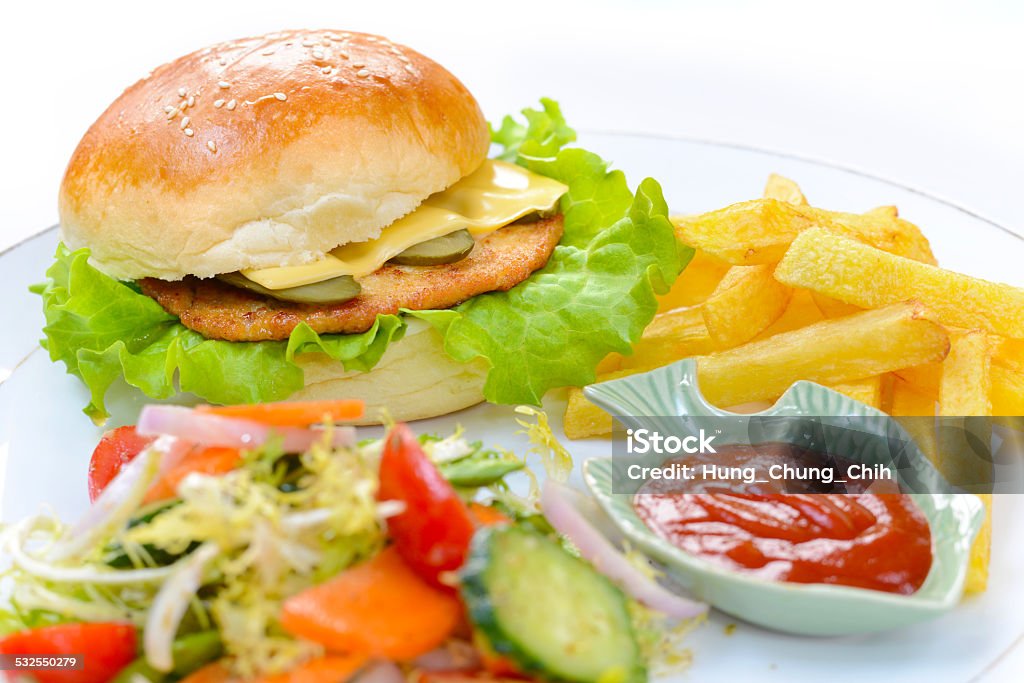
(597,292)
(595,296)
(102,329)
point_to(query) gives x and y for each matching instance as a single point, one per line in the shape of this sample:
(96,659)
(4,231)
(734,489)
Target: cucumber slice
(551,613)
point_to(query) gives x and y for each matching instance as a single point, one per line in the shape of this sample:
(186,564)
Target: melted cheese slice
(491,197)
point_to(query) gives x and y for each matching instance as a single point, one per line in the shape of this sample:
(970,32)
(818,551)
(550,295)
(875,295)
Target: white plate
(45,440)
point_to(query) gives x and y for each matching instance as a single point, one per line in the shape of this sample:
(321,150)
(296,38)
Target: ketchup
(876,541)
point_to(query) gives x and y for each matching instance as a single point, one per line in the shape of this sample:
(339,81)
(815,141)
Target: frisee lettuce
(595,296)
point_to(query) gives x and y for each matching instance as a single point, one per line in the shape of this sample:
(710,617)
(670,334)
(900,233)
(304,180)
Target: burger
(313,214)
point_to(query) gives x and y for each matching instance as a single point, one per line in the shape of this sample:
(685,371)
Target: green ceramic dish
(807,609)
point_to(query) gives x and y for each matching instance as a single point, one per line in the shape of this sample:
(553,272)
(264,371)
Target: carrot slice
(291,413)
(485,515)
(326,669)
(211,673)
(205,461)
(380,608)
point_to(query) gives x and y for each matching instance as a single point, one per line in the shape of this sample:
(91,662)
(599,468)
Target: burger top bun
(266,151)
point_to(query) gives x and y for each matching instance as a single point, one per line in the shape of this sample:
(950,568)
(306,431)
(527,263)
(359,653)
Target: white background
(929,93)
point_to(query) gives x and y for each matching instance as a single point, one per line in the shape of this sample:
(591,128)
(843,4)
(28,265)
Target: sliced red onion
(119,499)
(455,655)
(380,672)
(228,432)
(557,504)
(170,604)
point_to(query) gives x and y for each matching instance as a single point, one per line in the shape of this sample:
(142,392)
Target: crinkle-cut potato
(829,352)
(695,284)
(965,387)
(759,231)
(785,190)
(867,390)
(747,301)
(864,276)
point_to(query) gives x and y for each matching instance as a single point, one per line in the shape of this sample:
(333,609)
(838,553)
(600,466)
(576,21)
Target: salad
(268,543)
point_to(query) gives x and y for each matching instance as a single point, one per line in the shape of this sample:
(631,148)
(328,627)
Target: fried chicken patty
(498,262)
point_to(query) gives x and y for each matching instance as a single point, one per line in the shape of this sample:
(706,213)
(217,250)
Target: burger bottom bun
(415,379)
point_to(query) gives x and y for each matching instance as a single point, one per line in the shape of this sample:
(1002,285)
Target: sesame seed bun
(266,151)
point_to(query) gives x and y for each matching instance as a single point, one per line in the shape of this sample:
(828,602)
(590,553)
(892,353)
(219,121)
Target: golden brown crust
(499,261)
(266,151)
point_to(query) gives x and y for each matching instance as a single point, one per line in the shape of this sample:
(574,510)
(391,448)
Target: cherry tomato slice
(117,448)
(433,533)
(107,648)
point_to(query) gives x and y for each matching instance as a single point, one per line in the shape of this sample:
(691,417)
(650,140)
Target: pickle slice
(333,291)
(445,249)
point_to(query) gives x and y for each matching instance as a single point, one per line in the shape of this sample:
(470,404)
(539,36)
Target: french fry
(800,312)
(965,387)
(829,352)
(867,390)
(864,276)
(833,308)
(671,336)
(1007,392)
(747,301)
(785,190)
(884,212)
(583,419)
(695,284)
(760,231)
(981,550)
(908,401)
(1009,353)
(923,379)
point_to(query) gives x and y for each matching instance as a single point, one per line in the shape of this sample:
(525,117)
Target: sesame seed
(223,85)
(362,73)
(318,54)
(189,132)
(168,109)
(410,69)
(308,43)
(358,65)
(231,105)
(223,61)
(212,145)
(371,39)
(218,104)
(267,53)
(281,96)
(185,121)
(326,70)
(191,100)
(326,41)
(182,92)
(172,113)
